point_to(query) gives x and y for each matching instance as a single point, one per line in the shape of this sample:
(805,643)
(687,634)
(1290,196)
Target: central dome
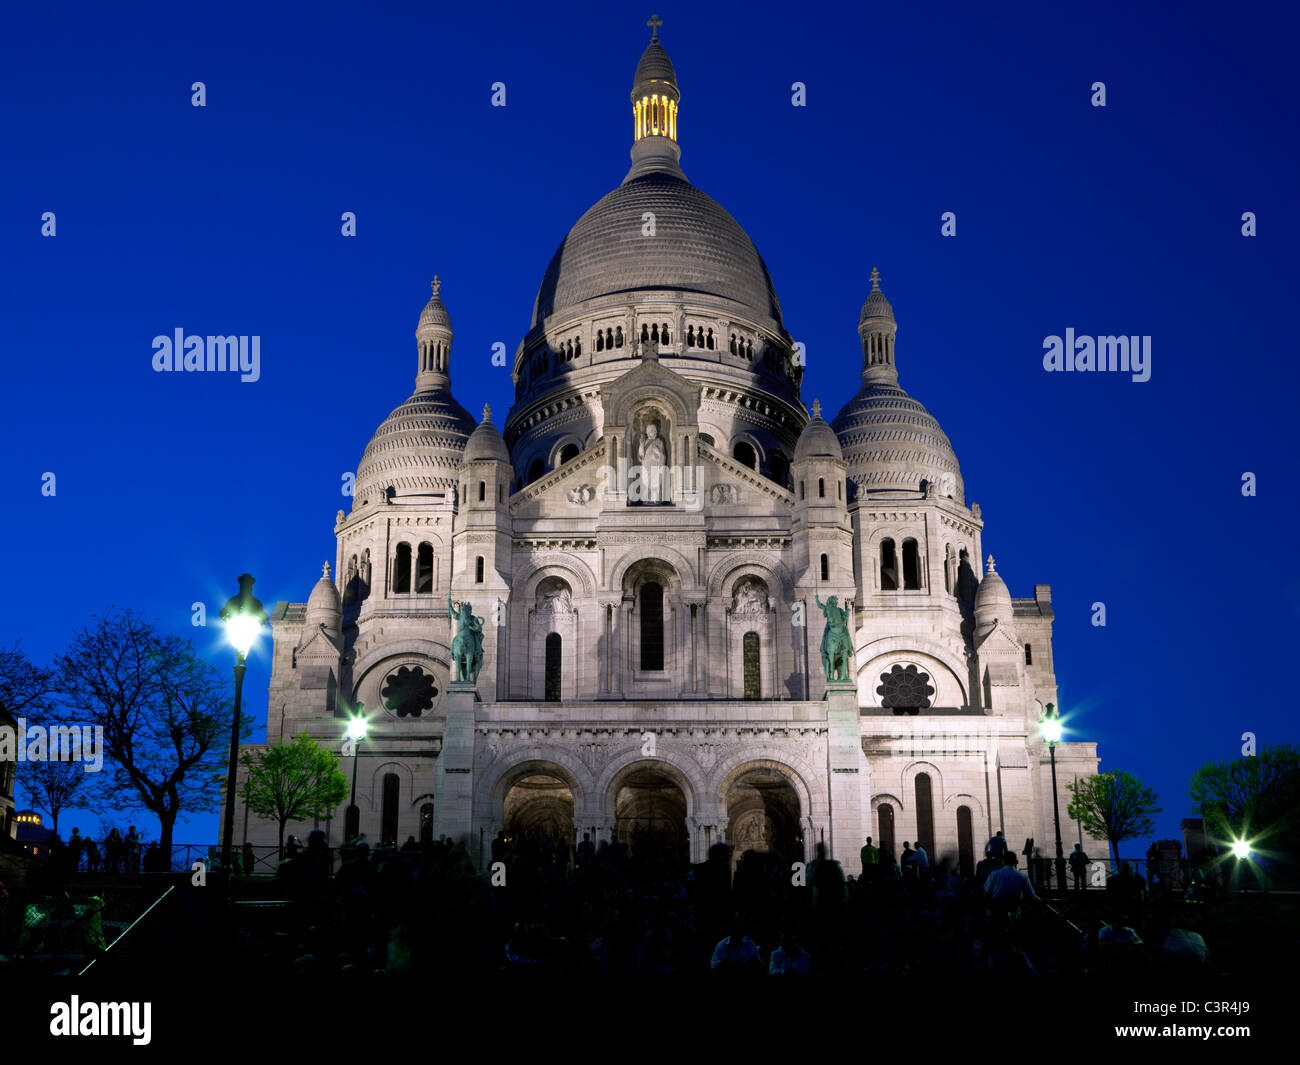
(697,248)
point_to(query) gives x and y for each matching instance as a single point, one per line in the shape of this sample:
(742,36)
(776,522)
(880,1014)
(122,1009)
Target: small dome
(992,600)
(818,440)
(434,315)
(417,449)
(876,306)
(485,443)
(324,607)
(654,66)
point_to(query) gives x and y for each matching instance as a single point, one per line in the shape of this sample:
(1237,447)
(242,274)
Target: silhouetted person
(76,844)
(870,861)
(113,851)
(789,959)
(131,845)
(154,861)
(737,953)
(997,846)
(1078,865)
(586,851)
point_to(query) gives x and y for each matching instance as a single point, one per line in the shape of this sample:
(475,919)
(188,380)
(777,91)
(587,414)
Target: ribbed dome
(992,600)
(434,314)
(417,448)
(818,440)
(877,307)
(486,443)
(891,441)
(654,66)
(697,247)
(324,607)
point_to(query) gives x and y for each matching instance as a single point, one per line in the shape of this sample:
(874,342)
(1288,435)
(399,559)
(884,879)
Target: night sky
(225,219)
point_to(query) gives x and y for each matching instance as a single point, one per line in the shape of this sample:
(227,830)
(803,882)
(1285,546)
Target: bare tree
(23,685)
(53,786)
(163,709)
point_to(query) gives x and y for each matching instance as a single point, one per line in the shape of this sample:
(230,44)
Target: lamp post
(244,617)
(1051,726)
(356,733)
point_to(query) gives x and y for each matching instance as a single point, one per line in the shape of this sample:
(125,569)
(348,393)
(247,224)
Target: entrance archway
(763,815)
(650,815)
(540,804)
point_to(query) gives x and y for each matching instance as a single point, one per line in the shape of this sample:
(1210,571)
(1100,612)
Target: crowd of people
(617,906)
(115,853)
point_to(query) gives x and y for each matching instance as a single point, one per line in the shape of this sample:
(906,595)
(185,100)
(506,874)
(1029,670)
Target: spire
(325,571)
(433,338)
(654,111)
(991,567)
(876,330)
(817,407)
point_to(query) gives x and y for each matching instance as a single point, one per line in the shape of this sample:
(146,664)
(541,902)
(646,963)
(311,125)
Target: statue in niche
(365,567)
(652,457)
(555,599)
(751,598)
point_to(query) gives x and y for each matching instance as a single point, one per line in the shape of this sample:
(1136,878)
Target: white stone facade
(651,655)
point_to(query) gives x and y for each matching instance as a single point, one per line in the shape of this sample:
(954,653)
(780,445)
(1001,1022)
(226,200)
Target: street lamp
(1051,726)
(244,617)
(356,733)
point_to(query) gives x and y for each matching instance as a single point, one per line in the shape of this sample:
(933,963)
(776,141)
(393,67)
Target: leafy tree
(293,782)
(1113,806)
(53,786)
(1255,798)
(163,709)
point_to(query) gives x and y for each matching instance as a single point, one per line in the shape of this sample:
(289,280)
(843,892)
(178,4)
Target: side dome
(818,440)
(992,599)
(324,607)
(417,449)
(697,248)
(891,442)
(486,443)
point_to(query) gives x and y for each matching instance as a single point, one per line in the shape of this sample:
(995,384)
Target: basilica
(663,599)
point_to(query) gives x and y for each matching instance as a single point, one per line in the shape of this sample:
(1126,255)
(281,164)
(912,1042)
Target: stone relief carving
(724,493)
(584,493)
(751,597)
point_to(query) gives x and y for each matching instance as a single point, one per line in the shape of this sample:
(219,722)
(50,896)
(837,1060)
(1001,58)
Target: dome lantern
(433,338)
(877,329)
(655,98)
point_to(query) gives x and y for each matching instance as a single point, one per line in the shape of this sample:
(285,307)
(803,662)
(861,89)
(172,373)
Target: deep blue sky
(226,219)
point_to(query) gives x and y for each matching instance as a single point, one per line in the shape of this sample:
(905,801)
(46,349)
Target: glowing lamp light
(244,617)
(357,728)
(1051,725)
(1241,849)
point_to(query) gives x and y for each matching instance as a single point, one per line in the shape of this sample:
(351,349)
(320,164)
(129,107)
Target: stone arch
(726,572)
(675,561)
(679,413)
(812,798)
(369,673)
(490,793)
(622,766)
(553,456)
(965,798)
(404,773)
(580,578)
(743,436)
(870,655)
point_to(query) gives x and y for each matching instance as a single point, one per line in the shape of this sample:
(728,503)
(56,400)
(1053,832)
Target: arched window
(554,645)
(888,566)
(925,814)
(663,334)
(478,570)
(426,823)
(911,564)
(826,567)
(706,438)
(744,454)
(1029,654)
(749,350)
(988,691)
(821,487)
(535,469)
(645,333)
(402,569)
(949,565)
(618,337)
(577,348)
(499,492)
(690,336)
(885,830)
(965,842)
(750,660)
(709,345)
(424,569)
(569,451)
(482,491)
(388,822)
(778,467)
(652,627)
(839,491)
(600,340)
(733,343)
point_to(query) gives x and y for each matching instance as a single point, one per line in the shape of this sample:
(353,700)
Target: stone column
(844,758)
(453,773)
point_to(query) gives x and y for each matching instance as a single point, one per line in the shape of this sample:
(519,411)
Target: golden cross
(436,284)
(654,24)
